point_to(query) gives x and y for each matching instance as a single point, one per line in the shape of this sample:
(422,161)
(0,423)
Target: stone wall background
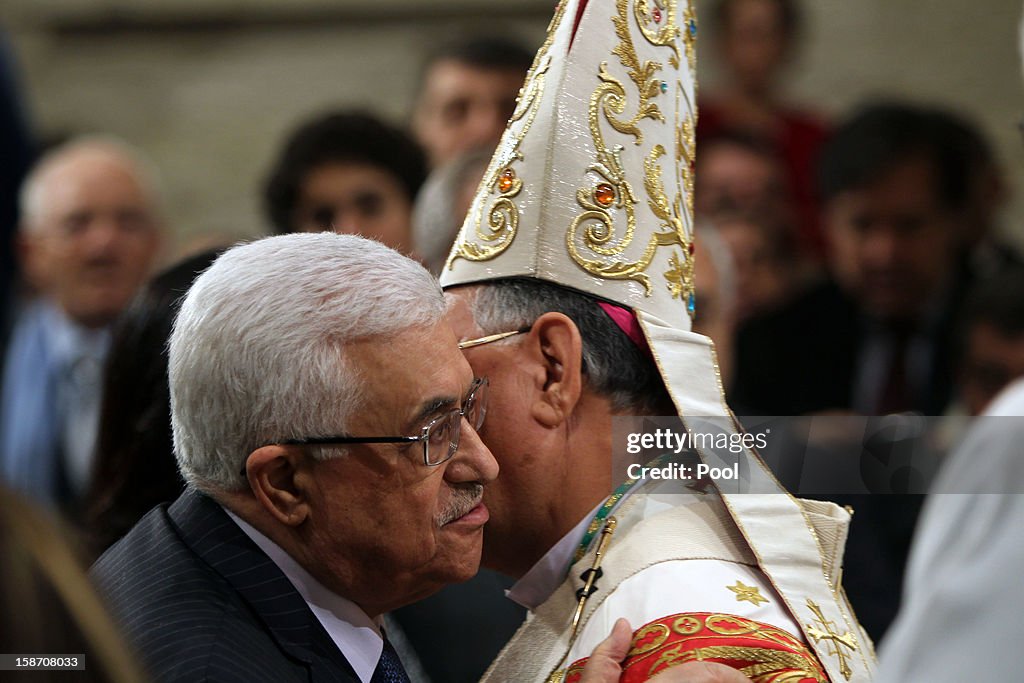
(209,87)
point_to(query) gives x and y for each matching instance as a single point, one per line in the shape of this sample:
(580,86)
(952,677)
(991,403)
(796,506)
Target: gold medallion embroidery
(762,652)
(650,637)
(687,625)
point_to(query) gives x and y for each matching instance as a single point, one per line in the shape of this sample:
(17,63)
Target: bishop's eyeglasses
(480,341)
(439,437)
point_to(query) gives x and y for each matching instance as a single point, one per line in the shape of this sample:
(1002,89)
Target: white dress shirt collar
(356,634)
(537,585)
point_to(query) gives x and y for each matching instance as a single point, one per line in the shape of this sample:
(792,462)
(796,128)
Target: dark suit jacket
(200,601)
(803,357)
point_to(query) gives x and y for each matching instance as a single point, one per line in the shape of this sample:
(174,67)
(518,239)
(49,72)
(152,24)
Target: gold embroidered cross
(745,593)
(828,632)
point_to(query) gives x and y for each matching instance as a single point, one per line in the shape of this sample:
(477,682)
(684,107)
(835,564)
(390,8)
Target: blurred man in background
(89,233)
(992,335)
(739,173)
(766,272)
(350,173)
(876,336)
(466,95)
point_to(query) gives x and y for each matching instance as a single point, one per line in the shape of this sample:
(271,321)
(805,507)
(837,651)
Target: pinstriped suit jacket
(199,601)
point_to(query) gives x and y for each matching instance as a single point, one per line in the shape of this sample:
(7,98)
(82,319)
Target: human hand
(603,666)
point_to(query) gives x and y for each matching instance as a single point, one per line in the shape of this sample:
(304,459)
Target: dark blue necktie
(389,668)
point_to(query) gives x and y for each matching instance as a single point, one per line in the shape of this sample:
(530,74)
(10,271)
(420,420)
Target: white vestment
(964,596)
(672,554)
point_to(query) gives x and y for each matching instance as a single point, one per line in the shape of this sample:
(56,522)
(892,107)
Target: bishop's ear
(277,479)
(557,348)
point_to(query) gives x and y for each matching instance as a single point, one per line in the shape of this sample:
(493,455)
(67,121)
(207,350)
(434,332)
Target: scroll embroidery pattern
(594,240)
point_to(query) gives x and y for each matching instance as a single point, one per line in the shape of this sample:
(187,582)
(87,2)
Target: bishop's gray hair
(258,351)
(612,364)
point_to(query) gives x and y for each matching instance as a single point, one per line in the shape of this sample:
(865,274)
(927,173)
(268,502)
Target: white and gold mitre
(591,186)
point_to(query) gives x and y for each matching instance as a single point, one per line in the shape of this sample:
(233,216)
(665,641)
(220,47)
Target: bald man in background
(89,233)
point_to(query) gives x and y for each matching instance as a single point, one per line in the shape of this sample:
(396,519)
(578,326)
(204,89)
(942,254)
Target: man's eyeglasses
(440,436)
(470,343)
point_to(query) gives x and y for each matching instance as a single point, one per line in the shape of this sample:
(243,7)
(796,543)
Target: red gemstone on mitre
(506,180)
(691,248)
(657,15)
(604,194)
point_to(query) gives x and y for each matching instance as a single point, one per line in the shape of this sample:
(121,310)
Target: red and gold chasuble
(762,652)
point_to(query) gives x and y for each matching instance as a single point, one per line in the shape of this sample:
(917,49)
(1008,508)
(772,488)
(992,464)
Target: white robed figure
(591,189)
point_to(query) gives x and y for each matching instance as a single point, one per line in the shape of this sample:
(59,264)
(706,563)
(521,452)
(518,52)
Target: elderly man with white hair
(325,422)
(89,234)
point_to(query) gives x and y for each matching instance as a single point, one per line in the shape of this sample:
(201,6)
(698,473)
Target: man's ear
(274,474)
(557,347)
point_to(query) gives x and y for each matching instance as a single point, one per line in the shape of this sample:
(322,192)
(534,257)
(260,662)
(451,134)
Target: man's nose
(102,236)
(473,460)
(881,248)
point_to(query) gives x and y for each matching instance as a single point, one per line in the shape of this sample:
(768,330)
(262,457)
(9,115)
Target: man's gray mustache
(464,498)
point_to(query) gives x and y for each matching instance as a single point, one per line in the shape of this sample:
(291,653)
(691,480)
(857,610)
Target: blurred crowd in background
(851,264)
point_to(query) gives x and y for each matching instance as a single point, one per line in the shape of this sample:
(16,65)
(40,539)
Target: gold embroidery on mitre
(690,35)
(686,148)
(666,31)
(593,240)
(745,593)
(680,275)
(500,181)
(828,633)
(674,219)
